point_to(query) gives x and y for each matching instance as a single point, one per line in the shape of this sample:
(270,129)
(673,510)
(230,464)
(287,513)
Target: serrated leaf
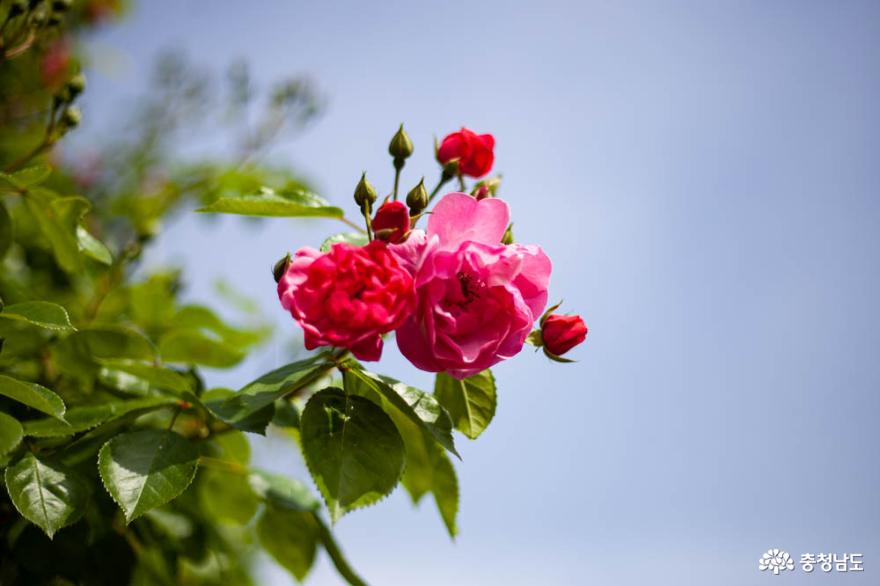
(290,537)
(418,406)
(268,203)
(282,492)
(92,247)
(42,314)
(252,407)
(192,347)
(6,233)
(11,433)
(86,417)
(33,395)
(352,448)
(355,238)
(470,402)
(143,470)
(46,493)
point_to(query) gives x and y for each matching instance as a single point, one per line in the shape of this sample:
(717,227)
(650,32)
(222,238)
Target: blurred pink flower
(477,298)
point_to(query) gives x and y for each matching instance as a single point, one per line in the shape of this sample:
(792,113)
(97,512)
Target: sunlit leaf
(227,496)
(470,402)
(25,178)
(46,493)
(155,376)
(269,203)
(352,448)
(143,470)
(85,417)
(33,395)
(92,247)
(42,314)
(282,491)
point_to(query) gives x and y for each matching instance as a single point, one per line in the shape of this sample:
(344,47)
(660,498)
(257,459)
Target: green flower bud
(401,147)
(508,235)
(70,118)
(417,198)
(450,170)
(364,193)
(76,85)
(281,267)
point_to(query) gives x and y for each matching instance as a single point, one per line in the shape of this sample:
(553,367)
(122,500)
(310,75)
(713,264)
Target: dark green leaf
(192,347)
(41,314)
(87,417)
(11,433)
(143,470)
(420,407)
(269,203)
(46,493)
(355,238)
(112,341)
(252,407)
(6,234)
(291,537)
(470,402)
(352,448)
(92,247)
(282,492)
(32,395)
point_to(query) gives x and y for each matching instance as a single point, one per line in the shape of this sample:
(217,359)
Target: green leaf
(355,238)
(57,218)
(192,347)
(46,493)
(444,486)
(156,376)
(112,341)
(11,433)
(269,203)
(6,231)
(143,470)
(227,496)
(32,395)
(201,318)
(27,177)
(282,492)
(252,407)
(92,247)
(86,417)
(41,314)
(336,556)
(470,402)
(352,448)
(290,537)
(420,407)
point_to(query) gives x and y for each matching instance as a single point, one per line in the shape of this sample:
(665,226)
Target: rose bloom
(393,215)
(473,151)
(477,298)
(347,297)
(561,333)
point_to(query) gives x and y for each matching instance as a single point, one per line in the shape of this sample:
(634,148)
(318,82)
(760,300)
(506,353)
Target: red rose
(561,333)
(391,216)
(347,297)
(473,151)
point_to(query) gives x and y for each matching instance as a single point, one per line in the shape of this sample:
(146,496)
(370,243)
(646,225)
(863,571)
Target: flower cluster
(460,295)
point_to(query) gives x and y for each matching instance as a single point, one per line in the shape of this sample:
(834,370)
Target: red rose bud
(391,222)
(473,151)
(561,333)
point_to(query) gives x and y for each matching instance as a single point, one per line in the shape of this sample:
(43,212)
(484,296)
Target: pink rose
(477,298)
(347,297)
(473,151)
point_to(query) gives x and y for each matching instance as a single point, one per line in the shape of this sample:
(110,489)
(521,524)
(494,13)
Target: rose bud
(561,333)
(391,222)
(417,198)
(364,193)
(473,151)
(401,147)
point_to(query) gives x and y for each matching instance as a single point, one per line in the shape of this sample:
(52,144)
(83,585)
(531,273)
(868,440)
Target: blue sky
(704,176)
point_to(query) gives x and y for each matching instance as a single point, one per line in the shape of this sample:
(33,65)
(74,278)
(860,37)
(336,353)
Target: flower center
(471,287)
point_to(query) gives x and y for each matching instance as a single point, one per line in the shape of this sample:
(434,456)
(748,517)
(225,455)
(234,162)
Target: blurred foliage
(119,466)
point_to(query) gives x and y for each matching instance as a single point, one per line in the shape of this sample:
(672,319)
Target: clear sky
(704,176)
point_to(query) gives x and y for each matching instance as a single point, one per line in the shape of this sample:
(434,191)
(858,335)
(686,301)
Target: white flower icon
(776,561)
